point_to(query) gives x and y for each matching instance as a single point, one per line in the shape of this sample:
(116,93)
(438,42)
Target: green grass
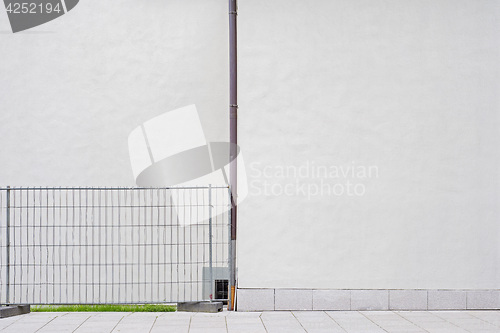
(105,308)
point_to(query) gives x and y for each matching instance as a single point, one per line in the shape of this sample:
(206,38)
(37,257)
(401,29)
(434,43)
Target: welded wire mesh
(112,245)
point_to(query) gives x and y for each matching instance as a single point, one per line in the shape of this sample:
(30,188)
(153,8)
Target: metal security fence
(114,245)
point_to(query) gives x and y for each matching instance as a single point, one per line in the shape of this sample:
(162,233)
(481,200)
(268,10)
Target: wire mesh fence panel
(112,245)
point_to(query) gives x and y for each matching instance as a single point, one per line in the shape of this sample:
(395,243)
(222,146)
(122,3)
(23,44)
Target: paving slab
(492,317)
(353,321)
(466,321)
(204,322)
(244,322)
(317,322)
(173,322)
(392,322)
(5,322)
(281,322)
(103,322)
(32,322)
(66,323)
(136,322)
(257,322)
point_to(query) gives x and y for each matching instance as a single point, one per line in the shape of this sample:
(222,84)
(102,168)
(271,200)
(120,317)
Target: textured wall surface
(73,89)
(409,87)
(406,88)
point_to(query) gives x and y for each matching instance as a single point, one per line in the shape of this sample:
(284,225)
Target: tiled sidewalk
(250,322)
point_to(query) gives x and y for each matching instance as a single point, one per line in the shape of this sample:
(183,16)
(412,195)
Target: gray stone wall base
(14,310)
(376,299)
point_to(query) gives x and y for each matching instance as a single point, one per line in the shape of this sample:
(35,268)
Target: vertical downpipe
(233,139)
(7,234)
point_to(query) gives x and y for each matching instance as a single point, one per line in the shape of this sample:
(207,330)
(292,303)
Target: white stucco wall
(73,89)
(409,88)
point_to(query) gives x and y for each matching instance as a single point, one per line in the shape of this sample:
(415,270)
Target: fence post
(7,280)
(230,286)
(210,241)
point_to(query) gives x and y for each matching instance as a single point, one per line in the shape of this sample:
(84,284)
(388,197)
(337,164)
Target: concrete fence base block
(210,307)
(15,310)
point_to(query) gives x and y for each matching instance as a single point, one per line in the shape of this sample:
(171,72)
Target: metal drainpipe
(233,138)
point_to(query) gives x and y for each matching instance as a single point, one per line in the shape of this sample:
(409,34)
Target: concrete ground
(246,322)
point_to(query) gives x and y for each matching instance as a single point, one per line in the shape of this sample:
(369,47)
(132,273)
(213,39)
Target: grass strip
(105,308)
